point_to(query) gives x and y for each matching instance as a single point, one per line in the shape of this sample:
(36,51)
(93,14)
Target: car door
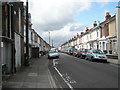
(89,54)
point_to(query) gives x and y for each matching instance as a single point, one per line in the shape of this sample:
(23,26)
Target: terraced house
(13,38)
(101,36)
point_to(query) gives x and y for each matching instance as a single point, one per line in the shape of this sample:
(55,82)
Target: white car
(96,55)
(53,54)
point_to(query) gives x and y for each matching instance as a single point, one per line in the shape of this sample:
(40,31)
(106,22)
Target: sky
(65,18)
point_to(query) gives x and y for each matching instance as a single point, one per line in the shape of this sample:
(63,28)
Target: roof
(110,19)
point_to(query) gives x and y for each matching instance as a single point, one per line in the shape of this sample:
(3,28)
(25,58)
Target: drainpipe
(118,29)
(27,37)
(13,38)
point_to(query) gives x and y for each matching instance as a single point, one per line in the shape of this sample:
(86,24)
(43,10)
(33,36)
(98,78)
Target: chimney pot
(107,15)
(94,24)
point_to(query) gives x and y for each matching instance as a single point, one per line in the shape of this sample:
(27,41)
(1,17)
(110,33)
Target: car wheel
(86,58)
(105,61)
(92,59)
(81,56)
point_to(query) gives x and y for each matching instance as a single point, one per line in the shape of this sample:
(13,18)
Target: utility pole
(27,37)
(49,38)
(118,29)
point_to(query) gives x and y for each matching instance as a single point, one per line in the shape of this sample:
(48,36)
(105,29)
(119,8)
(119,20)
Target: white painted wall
(18,51)
(118,30)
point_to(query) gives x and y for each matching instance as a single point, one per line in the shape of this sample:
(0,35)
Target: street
(79,73)
(33,32)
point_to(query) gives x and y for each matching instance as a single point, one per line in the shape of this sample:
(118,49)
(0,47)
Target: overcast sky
(65,18)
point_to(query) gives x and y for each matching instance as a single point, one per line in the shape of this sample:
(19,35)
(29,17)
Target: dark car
(82,53)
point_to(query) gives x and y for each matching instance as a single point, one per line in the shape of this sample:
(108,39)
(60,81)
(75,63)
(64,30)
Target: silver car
(53,54)
(96,54)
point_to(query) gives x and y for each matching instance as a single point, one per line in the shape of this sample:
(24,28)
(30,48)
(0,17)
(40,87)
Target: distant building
(101,36)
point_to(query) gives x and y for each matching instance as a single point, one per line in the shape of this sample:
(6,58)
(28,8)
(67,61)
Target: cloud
(50,15)
(57,16)
(64,34)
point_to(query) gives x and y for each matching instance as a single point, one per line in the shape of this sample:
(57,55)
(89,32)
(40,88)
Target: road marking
(69,79)
(55,62)
(65,77)
(69,85)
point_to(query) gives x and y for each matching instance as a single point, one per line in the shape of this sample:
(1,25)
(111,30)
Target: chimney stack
(94,24)
(87,29)
(107,16)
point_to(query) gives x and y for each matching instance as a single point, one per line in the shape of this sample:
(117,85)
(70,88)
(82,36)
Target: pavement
(37,75)
(113,61)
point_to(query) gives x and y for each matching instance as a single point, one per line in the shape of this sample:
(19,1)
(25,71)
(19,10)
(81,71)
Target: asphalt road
(79,73)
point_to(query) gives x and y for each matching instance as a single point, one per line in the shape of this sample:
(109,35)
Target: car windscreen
(52,51)
(85,50)
(97,52)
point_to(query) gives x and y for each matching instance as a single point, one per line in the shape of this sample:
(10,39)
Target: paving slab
(37,75)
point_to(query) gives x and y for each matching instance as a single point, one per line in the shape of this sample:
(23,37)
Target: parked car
(82,53)
(96,55)
(76,53)
(53,54)
(71,51)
